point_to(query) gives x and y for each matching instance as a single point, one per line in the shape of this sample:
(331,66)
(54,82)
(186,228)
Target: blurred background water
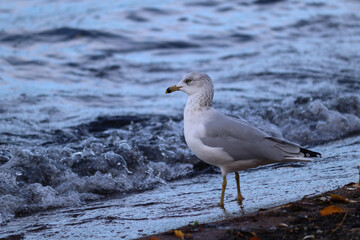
(91,147)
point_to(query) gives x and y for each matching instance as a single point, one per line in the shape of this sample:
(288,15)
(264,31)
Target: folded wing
(243,142)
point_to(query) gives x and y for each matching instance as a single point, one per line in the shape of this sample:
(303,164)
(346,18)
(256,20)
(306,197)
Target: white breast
(194,130)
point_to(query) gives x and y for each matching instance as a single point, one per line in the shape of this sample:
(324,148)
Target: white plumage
(225,142)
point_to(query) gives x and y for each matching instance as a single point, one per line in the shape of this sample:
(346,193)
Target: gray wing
(243,141)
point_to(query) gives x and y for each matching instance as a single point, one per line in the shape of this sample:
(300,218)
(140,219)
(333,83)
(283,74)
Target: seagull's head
(192,83)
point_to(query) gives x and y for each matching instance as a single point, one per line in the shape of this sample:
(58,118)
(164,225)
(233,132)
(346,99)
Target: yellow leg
(239,198)
(221,204)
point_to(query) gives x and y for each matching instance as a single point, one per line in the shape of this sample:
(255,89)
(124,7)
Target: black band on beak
(172,89)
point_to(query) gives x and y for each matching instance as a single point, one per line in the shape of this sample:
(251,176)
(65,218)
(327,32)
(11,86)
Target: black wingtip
(168,90)
(309,153)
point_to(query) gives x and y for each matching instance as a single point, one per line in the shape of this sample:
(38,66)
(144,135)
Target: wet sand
(303,219)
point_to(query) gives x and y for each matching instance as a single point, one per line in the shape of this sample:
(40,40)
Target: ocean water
(91,147)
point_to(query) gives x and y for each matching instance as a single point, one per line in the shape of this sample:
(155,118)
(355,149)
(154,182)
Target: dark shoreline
(301,219)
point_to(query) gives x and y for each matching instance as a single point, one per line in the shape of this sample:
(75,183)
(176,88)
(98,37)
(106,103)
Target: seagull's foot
(221,204)
(239,199)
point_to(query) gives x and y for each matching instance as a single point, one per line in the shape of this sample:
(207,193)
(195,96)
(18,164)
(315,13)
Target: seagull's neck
(198,102)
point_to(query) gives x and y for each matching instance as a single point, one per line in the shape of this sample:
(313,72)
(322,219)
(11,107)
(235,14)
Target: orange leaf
(331,210)
(338,198)
(153,238)
(179,234)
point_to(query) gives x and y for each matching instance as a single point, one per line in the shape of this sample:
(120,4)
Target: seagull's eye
(187,81)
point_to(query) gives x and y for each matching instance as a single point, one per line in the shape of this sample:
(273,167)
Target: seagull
(225,142)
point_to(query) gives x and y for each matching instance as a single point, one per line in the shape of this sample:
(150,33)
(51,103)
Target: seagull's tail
(297,159)
(305,155)
(293,152)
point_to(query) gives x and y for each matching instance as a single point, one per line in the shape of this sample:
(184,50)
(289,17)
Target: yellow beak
(172,89)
